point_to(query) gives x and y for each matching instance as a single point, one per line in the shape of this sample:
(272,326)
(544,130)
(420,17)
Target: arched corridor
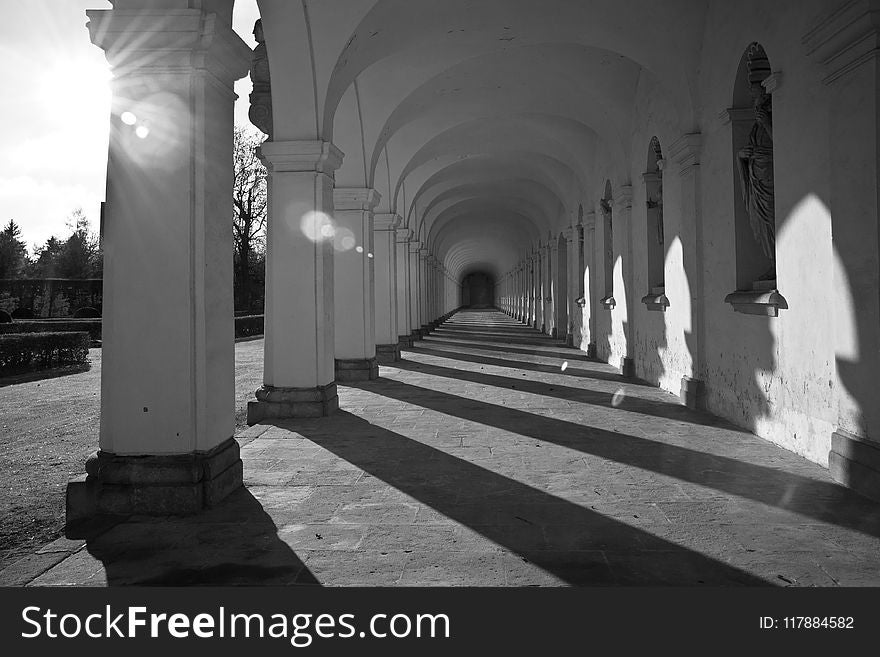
(628,178)
(494,455)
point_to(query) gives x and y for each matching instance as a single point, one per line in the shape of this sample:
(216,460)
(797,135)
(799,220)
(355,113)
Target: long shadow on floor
(499,345)
(432,350)
(579,546)
(824,501)
(234,543)
(632,404)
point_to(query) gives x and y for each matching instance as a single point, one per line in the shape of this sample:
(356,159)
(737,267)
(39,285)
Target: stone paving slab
(479,460)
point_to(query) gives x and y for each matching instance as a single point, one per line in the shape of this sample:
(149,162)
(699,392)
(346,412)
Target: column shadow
(233,544)
(577,545)
(824,501)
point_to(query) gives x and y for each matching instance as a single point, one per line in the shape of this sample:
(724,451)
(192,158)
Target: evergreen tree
(13,251)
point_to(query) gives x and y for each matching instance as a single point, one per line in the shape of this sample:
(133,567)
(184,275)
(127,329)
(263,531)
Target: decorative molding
(624,198)
(685,151)
(300,156)
(142,40)
(415,246)
(386,221)
(737,115)
(846,38)
(608,303)
(772,82)
(590,220)
(404,235)
(355,198)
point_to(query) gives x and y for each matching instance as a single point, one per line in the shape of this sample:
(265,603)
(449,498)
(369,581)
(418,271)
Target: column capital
(386,221)
(590,220)
(568,233)
(685,150)
(845,38)
(168,40)
(355,198)
(624,198)
(415,246)
(423,252)
(300,156)
(554,246)
(404,235)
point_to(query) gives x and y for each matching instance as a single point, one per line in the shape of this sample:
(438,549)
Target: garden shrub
(24,351)
(87,313)
(91,326)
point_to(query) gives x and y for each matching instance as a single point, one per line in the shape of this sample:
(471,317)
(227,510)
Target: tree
(13,251)
(80,253)
(249,212)
(79,256)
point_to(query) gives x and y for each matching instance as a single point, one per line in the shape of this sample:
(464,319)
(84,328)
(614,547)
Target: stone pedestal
(276,403)
(627,367)
(356,369)
(170,484)
(692,393)
(387,353)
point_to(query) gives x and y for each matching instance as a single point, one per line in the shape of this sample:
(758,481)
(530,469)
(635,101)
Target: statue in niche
(260,112)
(756,161)
(656,203)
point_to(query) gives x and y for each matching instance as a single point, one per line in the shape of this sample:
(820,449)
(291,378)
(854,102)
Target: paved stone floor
(493,456)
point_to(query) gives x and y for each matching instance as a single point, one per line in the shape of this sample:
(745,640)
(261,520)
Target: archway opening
(478,290)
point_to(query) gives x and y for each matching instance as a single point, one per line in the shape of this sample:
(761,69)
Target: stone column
(167,375)
(299,367)
(553,290)
(385,252)
(686,154)
(846,43)
(431,291)
(354,297)
(573,329)
(591,263)
(543,288)
(623,219)
(423,291)
(415,318)
(404,294)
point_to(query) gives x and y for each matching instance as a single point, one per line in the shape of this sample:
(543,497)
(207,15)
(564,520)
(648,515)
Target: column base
(569,339)
(356,369)
(692,393)
(591,350)
(405,341)
(417,334)
(387,353)
(855,463)
(159,485)
(628,367)
(554,332)
(426,329)
(543,328)
(276,403)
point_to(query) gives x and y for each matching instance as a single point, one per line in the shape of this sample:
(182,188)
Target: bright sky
(54,113)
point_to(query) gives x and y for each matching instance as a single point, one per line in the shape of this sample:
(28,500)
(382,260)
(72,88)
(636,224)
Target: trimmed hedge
(248,326)
(91,326)
(20,351)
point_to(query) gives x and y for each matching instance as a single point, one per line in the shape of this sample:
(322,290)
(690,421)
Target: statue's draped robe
(756,174)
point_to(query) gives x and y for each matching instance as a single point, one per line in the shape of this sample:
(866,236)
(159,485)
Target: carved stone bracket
(607,303)
(763,299)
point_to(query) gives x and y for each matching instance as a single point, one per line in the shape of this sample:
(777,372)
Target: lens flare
(618,397)
(128,118)
(142,131)
(369,255)
(343,239)
(317,226)
(359,249)
(565,366)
